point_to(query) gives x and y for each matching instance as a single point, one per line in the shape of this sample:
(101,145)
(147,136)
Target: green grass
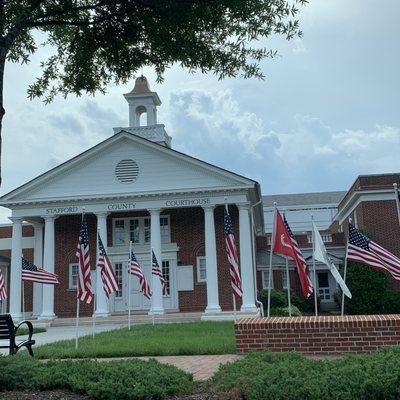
(24,331)
(148,340)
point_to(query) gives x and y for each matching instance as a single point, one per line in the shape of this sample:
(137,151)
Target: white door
(138,301)
(324,290)
(118,302)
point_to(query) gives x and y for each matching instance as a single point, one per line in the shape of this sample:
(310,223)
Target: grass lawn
(148,340)
(25,331)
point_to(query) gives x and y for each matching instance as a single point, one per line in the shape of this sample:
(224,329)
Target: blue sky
(327,111)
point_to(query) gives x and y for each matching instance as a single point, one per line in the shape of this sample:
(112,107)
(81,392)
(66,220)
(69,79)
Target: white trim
(264,271)
(70,285)
(141,220)
(88,154)
(198,259)
(358,197)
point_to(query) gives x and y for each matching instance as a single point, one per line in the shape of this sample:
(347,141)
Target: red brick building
(133,187)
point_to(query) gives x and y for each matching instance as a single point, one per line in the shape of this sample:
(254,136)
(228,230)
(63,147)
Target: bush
(131,380)
(279,300)
(284,311)
(369,291)
(289,376)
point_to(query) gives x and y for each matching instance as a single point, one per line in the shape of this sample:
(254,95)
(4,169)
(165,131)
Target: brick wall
(325,335)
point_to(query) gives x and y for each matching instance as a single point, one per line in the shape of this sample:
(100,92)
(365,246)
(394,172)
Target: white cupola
(142,100)
(143,105)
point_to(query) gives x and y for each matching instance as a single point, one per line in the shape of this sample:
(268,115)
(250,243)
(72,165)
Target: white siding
(157,172)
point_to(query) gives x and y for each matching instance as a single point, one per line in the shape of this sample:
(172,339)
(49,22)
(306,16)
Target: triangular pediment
(143,168)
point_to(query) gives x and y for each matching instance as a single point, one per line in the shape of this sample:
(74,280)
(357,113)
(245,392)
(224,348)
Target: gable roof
(13,195)
(304,199)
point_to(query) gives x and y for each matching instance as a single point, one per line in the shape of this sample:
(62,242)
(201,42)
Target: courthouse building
(135,187)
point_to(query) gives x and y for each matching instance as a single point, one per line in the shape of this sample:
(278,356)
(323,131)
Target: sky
(327,111)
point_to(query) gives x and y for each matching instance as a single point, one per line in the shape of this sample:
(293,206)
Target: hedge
(289,376)
(112,380)
(279,300)
(370,293)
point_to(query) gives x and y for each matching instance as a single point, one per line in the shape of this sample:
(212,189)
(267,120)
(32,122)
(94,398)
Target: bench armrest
(30,328)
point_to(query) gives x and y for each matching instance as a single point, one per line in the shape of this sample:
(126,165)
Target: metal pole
(288,287)
(129,286)
(94,310)
(396,192)
(77,298)
(23,300)
(345,269)
(253,236)
(314,272)
(234,306)
(270,263)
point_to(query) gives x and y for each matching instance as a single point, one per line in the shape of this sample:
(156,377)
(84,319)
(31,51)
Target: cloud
(312,156)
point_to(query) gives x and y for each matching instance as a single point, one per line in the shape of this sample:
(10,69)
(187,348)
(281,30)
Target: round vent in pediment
(127,171)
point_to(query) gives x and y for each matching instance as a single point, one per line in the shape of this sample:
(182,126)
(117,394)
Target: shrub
(279,300)
(289,376)
(369,290)
(284,311)
(130,380)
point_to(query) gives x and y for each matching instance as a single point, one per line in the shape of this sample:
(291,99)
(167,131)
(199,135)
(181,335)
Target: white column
(38,261)
(102,306)
(16,266)
(246,260)
(211,261)
(48,265)
(157,306)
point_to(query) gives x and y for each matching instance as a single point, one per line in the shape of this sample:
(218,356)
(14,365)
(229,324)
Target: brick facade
(187,231)
(318,335)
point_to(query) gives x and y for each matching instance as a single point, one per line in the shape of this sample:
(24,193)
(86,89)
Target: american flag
(232,254)
(31,273)
(301,265)
(155,270)
(3,291)
(365,251)
(84,286)
(108,277)
(134,268)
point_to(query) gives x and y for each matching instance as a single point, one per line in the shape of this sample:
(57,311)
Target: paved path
(202,367)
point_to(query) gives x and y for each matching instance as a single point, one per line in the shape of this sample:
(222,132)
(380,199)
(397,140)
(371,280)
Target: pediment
(125,164)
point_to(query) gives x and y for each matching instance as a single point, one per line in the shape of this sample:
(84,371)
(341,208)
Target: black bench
(8,331)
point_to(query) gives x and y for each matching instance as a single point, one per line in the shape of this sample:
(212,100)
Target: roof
(303,199)
(141,85)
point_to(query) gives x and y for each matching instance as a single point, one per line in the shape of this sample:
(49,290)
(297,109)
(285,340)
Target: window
(119,232)
(134,230)
(284,280)
(165,231)
(73,276)
(201,269)
(147,230)
(138,230)
(266,279)
(166,274)
(326,237)
(118,274)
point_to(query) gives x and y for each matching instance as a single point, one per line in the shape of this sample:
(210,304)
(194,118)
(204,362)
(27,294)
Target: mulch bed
(200,393)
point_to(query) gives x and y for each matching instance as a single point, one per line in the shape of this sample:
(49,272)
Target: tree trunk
(2,110)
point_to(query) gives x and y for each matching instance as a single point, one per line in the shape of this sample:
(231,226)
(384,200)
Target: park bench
(8,331)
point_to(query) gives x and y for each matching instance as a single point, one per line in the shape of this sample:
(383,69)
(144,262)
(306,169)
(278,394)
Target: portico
(134,187)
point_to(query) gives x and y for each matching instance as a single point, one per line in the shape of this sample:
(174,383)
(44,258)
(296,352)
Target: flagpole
(314,272)
(288,282)
(94,308)
(77,298)
(23,300)
(129,287)
(345,269)
(396,192)
(270,262)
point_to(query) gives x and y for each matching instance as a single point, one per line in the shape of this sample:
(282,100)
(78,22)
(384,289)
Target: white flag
(320,254)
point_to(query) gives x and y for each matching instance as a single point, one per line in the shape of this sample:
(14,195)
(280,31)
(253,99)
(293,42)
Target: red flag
(285,244)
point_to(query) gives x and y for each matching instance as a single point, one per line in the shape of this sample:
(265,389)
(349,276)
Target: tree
(99,41)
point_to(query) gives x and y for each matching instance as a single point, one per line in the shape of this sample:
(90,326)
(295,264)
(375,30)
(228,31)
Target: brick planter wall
(318,335)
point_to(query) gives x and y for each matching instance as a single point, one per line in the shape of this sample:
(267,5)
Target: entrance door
(119,297)
(324,291)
